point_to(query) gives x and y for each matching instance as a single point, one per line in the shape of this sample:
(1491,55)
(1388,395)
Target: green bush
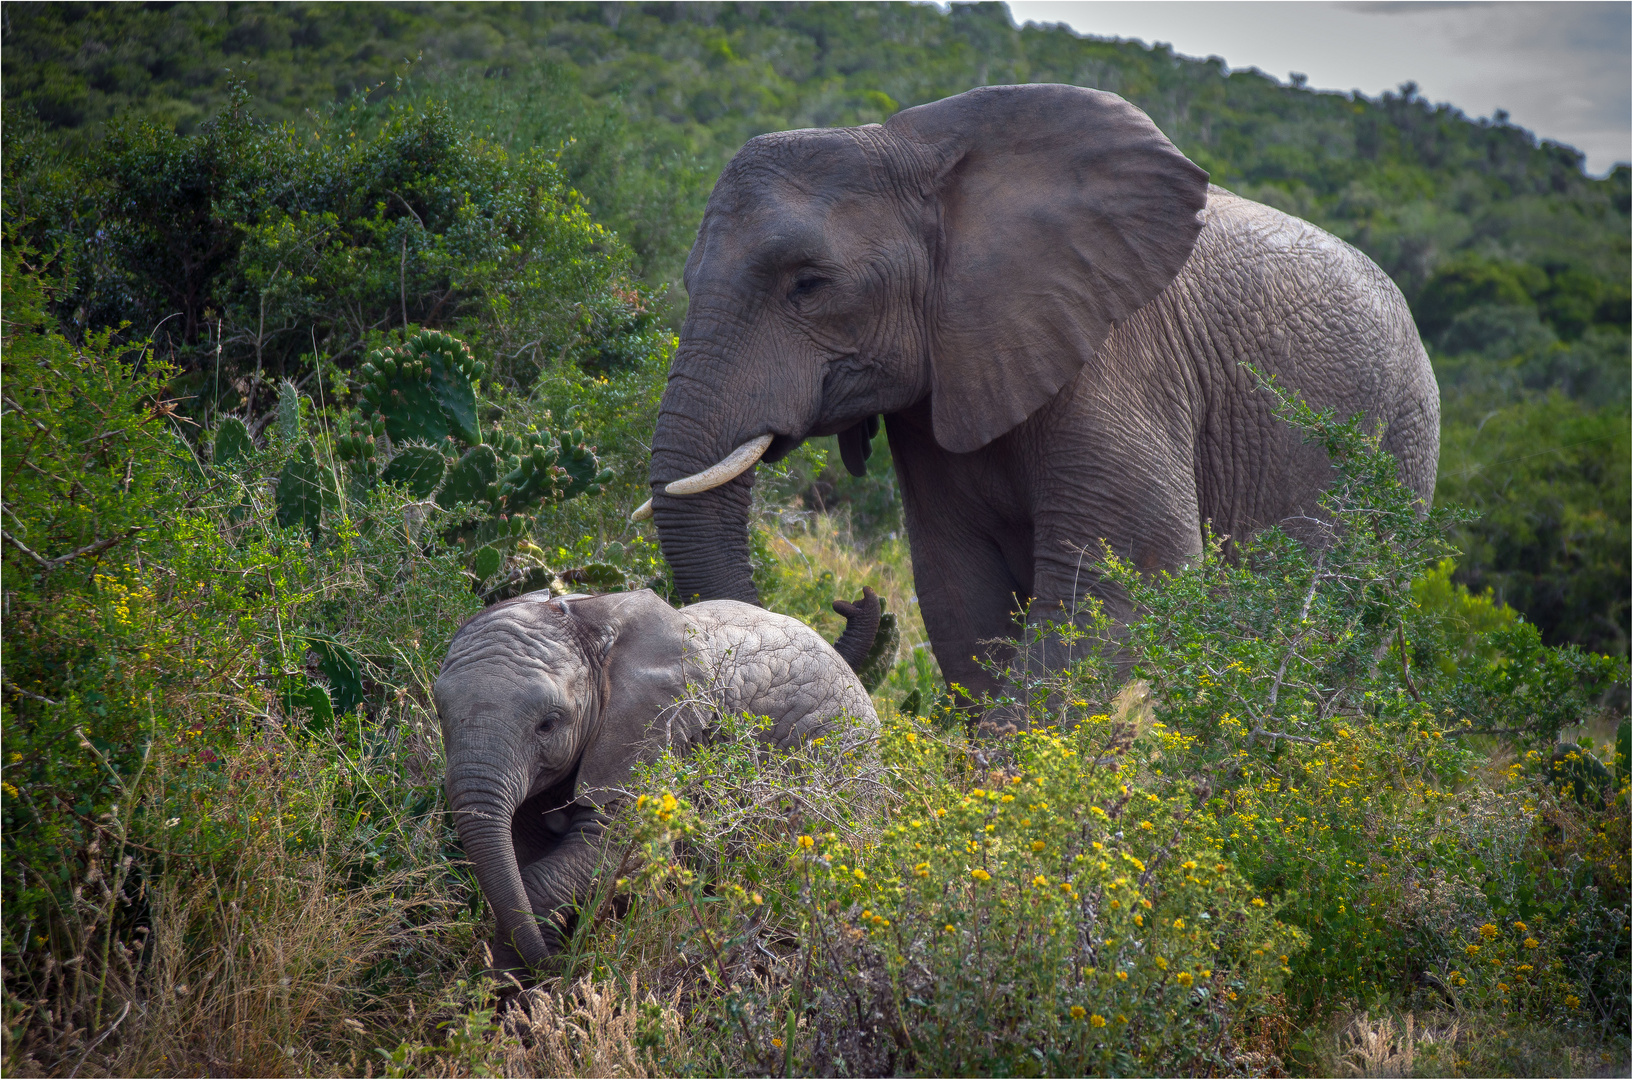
(1549,482)
(219,659)
(246,249)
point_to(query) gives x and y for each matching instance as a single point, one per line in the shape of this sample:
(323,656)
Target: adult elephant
(1051,308)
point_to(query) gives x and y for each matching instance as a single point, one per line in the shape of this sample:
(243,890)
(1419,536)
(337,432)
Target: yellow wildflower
(1097,1020)
(1077,1012)
(980,875)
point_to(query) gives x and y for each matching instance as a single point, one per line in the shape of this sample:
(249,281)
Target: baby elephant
(546,703)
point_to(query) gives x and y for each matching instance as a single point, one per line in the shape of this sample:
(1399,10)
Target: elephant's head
(975,251)
(545,703)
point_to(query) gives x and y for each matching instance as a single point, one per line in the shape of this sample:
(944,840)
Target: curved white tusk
(642,512)
(730,468)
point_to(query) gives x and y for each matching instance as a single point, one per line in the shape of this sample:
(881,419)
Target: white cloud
(1559,69)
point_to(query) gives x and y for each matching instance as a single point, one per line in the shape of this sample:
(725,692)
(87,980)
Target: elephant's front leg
(557,880)
(972,551)
(1146,517)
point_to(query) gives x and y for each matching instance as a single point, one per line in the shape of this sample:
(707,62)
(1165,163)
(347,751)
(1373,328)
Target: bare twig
(49,565)
(106,1032)
(14,688)
(1406,662)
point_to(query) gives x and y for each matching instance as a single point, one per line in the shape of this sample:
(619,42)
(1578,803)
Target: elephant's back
(1269,289)
(770,664)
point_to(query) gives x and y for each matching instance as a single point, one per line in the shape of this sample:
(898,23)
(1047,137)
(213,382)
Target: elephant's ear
(1062,212)
(642,641)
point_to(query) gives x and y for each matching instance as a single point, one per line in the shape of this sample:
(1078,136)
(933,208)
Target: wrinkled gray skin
(546,703)
(1049,305)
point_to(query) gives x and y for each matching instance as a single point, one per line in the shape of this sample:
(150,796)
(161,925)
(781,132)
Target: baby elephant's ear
(643,643)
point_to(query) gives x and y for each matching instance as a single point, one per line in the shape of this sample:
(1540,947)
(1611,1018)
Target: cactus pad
(585,476)
(472,480)
(418,468)
(344,673)
(299,693)
(289,413)
(300,492)
(487,562)
(422,389)
(232,442)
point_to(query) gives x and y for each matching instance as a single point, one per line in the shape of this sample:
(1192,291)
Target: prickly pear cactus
(473,479)
(423,388)
(418,429)
(585,474)
(290,428)
(300,492)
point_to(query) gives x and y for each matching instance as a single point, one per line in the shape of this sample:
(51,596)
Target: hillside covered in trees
(326,325)
(1515,262)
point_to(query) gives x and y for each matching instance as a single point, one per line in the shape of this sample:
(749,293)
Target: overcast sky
(1560,69)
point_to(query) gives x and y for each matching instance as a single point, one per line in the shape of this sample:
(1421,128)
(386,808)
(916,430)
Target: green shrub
(246,249)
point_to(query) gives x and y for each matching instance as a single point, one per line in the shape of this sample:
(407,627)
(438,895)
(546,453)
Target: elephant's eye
(805,285)
(551,721)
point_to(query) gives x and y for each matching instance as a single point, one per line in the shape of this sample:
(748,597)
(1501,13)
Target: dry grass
(1464,1044)
(588,1030)
(808,544)
(283,956)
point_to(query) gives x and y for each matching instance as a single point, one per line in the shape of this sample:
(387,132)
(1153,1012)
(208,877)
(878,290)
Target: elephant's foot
(505,965)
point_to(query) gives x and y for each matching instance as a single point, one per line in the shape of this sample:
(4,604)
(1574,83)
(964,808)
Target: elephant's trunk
(704,536)
(483,820)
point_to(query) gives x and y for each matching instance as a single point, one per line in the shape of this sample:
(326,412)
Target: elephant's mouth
(541,818)
(781,446)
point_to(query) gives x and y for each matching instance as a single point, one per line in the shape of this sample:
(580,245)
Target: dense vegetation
(232,557)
